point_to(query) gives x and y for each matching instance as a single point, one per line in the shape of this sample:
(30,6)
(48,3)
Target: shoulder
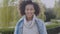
(20,21)
(42,26)
(40,21)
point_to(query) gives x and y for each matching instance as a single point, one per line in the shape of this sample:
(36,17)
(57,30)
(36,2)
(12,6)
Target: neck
(29,18)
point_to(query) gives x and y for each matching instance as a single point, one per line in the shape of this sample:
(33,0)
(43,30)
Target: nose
(29,10)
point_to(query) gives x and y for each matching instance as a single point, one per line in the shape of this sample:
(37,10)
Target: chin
(29,16)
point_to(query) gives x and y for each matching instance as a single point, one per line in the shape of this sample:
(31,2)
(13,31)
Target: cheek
(33,11)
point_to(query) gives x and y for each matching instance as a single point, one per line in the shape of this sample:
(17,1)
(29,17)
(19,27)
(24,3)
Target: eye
(31,9)
(27,9)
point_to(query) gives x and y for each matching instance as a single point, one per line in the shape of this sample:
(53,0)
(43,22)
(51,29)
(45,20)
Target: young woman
(29,23)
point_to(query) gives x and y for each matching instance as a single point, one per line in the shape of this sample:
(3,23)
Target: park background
(9,15)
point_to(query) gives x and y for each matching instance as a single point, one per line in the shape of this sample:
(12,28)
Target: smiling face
(29,10)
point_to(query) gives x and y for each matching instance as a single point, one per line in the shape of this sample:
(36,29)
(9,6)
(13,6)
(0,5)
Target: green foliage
(53,25)
(5,3)
(57,10)
(9,15)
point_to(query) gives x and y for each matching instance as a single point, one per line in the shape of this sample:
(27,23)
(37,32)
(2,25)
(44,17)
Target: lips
(29,14)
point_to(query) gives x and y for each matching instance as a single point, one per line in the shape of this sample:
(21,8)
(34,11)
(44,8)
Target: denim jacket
(40,25)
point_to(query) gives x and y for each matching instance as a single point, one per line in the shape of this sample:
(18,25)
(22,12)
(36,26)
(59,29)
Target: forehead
(30,6)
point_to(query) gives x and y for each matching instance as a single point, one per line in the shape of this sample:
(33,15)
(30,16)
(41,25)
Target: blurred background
(50,14)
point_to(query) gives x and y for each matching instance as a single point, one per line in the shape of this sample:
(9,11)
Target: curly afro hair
(23,5)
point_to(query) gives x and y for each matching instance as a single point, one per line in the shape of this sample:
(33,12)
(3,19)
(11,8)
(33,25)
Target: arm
(44,28)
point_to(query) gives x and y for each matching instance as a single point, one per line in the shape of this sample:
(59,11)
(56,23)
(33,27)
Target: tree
(57,9)
(9,14)
(49,13)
